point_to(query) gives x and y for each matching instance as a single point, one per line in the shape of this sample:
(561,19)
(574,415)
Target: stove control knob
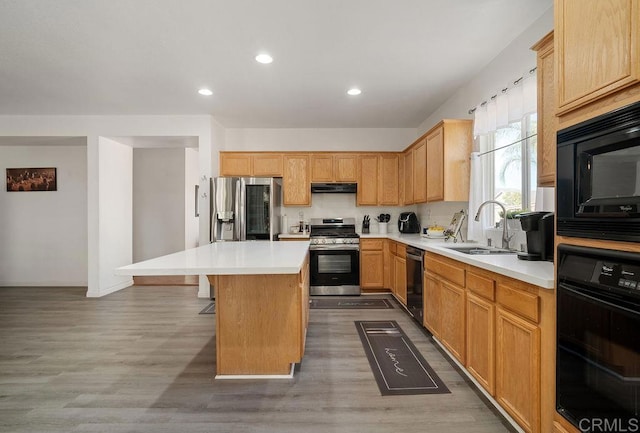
(322,241)
(333,241)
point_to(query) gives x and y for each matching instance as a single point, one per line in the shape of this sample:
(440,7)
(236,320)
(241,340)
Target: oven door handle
(416,258)
(346,247)
(580,294)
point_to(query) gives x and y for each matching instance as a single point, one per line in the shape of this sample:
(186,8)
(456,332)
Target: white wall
(514,61)
(100,260)
(43,235)
(115,209)
(191,221)
(320,139)
(158,202)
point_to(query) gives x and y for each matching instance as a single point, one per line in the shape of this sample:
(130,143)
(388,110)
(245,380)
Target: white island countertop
(226,258)
(537,273)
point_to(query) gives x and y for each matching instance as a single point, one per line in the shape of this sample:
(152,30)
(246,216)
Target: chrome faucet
(505,233)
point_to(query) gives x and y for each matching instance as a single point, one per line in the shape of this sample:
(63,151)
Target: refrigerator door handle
(239,209)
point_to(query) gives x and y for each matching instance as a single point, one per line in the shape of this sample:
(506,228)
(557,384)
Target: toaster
(408,223)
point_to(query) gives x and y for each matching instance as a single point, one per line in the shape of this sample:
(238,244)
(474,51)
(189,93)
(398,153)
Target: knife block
(365,228)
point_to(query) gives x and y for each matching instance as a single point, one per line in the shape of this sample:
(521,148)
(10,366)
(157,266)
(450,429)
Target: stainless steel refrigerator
(245,208)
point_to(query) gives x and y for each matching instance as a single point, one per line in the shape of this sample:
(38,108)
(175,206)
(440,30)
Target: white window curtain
(506,107)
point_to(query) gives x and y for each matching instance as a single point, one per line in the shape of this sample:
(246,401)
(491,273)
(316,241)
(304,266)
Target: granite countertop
(226,258)
(537,273)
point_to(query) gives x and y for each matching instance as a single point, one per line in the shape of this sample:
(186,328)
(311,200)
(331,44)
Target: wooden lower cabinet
(431,300)
(481,340)
(558,428)
(400,274)
(494,325)
(304,304)
(518,368)
(452,319)
(251,340)
(372,263)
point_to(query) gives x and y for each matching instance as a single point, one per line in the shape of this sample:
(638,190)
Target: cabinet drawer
(371,244)
(524,303)
(445,270)
(481,286)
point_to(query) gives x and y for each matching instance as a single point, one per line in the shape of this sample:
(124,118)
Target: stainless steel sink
(481,250)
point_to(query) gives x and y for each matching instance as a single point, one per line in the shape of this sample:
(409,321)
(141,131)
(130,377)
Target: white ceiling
(109,57)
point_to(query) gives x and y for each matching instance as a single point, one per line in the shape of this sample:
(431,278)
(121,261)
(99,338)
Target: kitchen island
(262,301)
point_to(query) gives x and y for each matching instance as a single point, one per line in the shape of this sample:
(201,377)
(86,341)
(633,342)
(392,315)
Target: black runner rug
(397,365)
(350,303)
(209,309)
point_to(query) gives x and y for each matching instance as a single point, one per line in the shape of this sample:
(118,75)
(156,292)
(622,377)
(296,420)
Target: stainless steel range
(335,257)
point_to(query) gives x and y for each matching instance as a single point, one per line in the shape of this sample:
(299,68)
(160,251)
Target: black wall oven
(598,346)
(598,177)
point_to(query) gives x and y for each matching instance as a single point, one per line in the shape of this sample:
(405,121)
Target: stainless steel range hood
(334,188)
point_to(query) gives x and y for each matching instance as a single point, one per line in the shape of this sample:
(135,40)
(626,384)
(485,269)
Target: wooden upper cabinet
(235,164)
(260,164)
(345,168)
(321,168)
(547,120)
(408,176)
(420,172)
(448,149)
(597,49)
(388,182)
(267,165)
(434,146)
(334,167)
(367,180)
(296,185)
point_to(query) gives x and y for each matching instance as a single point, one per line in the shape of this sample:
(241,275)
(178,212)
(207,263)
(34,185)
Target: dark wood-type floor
(143,360)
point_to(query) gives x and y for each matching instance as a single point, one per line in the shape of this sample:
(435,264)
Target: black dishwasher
(415,271)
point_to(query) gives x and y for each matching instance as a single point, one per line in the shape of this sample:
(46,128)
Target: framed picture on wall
(31,179)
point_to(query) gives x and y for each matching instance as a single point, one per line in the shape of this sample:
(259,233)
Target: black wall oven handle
(593,299)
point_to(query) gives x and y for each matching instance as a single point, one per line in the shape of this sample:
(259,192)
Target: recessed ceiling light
(354,91)
(264,58)
(205,92)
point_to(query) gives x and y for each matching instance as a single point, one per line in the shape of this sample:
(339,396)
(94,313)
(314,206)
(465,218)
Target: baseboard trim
(106,291)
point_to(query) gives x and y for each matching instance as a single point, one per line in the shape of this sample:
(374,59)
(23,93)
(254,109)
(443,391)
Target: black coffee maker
(539,228)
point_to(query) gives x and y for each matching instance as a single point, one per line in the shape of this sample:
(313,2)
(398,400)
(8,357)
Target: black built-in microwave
(598,177)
